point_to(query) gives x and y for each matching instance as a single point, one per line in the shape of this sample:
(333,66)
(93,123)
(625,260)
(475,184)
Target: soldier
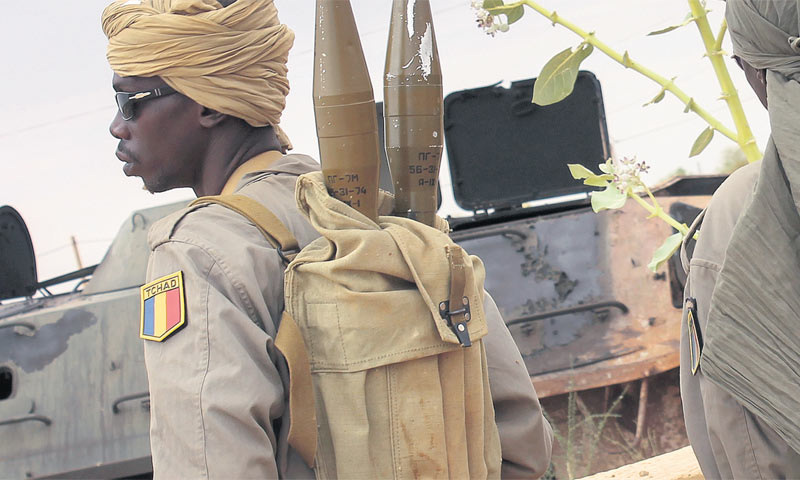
(738,358)
(200,89)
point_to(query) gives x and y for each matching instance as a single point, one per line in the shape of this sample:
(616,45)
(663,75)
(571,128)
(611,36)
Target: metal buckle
(459,328)
(284,258)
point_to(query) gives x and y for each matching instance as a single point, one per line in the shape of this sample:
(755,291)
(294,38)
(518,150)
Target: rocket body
(344,107)
(413,110)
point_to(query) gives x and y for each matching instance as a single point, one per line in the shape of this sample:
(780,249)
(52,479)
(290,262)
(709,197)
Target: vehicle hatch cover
(504,150)
(17,262)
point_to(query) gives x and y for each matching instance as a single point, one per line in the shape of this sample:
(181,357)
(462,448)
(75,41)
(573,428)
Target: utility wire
(53,122)
(670,124)
(69,245)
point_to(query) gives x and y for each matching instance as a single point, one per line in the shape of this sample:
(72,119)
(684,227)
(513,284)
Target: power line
(53,122)
(69,245)
(672,124)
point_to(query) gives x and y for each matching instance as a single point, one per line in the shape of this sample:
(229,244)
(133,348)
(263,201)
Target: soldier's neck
(227,154)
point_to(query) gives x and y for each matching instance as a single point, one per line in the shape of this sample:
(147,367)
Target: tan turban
(231,59)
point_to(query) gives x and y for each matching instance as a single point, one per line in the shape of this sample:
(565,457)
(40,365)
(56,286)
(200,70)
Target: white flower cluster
(627,173)
(486,21)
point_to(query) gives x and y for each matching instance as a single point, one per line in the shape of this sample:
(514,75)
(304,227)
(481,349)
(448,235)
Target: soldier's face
(162,143)
(756,78)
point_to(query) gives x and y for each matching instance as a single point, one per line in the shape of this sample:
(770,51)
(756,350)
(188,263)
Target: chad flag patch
(163,307)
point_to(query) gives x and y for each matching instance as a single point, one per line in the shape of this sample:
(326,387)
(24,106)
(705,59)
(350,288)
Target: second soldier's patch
(163,307)
(695,338)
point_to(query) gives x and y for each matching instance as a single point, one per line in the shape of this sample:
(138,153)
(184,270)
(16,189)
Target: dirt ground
(595,430)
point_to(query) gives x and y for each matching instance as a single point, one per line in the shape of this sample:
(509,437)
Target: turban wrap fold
(753,334)
(230,59)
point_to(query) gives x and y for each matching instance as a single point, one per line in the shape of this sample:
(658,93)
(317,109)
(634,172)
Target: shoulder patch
(163,307)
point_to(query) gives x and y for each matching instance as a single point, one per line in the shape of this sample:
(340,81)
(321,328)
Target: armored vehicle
(573,286)
(73,388)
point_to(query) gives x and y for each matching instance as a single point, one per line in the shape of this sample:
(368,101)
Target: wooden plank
(680,464)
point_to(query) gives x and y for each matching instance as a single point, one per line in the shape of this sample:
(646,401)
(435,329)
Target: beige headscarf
(230,59)
(752,345)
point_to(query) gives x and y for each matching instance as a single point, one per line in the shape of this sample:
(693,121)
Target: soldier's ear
(210,118)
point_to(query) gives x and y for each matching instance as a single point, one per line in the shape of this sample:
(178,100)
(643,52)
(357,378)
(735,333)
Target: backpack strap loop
(456,308)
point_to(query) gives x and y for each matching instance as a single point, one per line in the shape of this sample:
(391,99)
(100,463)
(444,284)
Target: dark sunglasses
(126,101)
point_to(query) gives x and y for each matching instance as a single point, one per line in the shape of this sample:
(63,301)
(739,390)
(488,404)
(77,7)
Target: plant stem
(625,60)
(655,210)
(713,46)
(723,28)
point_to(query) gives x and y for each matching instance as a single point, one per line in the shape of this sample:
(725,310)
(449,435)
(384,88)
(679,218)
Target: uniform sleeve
(699,285)
(526,437)
(214,390)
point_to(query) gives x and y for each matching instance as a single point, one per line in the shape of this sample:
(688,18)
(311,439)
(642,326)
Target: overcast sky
(57,163)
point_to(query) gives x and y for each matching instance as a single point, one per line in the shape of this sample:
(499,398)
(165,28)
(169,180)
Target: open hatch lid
(17,262)
(504,150)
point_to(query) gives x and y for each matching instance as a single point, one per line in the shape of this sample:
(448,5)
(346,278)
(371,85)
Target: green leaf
(662,254)
(557,78)
(702,141)
(607,166)
(579,171)
(608,199)
(487,4)
(689,106)
(598,180)
(515,14)
(689,18)
(664,30)
(657,98)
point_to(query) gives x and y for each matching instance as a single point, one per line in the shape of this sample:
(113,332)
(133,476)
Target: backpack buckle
(457,319)
(287,258)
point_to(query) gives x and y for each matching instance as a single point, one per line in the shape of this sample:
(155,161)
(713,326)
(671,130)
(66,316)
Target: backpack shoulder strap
(289,340)
(270,226)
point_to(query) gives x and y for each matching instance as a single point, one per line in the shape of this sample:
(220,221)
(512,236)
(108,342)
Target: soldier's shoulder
(739,184)
(203,225)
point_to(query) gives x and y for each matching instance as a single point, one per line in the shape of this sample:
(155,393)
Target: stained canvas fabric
(753,334)
(230,59)
(395,395)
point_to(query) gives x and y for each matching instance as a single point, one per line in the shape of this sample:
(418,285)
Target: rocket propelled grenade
(413,110)
(344,106)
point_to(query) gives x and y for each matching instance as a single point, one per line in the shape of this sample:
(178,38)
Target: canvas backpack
(382,331)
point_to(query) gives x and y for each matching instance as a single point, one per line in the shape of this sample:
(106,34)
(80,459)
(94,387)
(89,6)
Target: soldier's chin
(152,188)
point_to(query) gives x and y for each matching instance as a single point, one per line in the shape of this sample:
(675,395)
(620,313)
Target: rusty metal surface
(564,262)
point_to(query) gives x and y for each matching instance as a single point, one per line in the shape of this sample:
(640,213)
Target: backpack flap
(378,287)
